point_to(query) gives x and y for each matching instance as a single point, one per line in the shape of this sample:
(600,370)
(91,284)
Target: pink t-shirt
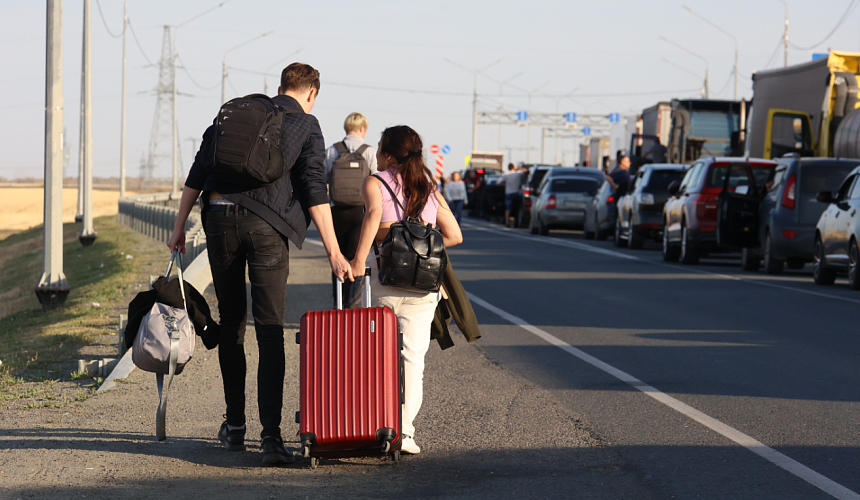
(391,212)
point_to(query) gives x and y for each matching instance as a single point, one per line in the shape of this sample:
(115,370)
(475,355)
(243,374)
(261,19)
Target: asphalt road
(767,362)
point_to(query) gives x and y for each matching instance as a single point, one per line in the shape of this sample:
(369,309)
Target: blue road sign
(570,117)
(446,149)
(586,130)
(614,117)
(522,116)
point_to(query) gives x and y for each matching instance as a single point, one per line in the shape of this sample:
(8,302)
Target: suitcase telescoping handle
(365,297)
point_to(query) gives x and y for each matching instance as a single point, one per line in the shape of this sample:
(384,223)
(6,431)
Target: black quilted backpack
(247,148)
(412,257)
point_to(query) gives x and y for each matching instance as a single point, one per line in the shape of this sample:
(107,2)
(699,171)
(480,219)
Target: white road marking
(792,466)
(603,251)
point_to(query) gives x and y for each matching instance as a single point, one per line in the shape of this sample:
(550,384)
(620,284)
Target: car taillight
(706,206)
(479,171)
(647,199)
(550,203)
(526,192)
(611,199)
(787,233)
(789,195)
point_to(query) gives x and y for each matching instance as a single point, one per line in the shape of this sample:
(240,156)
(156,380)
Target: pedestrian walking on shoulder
(455,194)
(347,163)
(402,167)
(620,176)
(251,226)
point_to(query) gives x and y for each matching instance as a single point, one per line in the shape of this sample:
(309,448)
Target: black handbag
(412,256)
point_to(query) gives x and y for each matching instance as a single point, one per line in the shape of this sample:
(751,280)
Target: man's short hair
(511,166)
(299,77)
(354,122)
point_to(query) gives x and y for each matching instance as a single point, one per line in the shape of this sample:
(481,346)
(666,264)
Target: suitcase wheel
(306,449)
(395,457)
(314,462)
(386,446)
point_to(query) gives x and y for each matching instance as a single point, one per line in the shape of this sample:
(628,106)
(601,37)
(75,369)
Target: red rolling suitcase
(351,382)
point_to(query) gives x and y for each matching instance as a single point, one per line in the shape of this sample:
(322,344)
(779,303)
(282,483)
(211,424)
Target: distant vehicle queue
(776,213)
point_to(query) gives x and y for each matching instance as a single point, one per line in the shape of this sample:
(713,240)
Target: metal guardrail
(155,214)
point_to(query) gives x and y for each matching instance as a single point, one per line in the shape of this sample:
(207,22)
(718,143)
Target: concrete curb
(199,275)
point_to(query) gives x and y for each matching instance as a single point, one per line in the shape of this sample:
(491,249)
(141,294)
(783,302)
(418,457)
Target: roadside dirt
(484,433)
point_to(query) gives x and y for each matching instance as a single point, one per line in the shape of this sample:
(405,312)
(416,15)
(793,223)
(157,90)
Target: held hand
(341,268)
(357,267)
(177,239)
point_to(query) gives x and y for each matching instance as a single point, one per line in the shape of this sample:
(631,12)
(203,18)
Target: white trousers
(414,317)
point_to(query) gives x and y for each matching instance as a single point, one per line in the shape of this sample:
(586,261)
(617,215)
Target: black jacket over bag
(167,292)
(284,203)
(457,307)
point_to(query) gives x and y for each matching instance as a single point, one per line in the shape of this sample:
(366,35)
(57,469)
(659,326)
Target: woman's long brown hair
(405,146)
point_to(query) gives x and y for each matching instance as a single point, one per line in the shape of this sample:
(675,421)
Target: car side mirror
(825,197)
(673,187)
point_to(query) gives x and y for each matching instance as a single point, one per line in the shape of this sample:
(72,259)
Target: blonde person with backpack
(412,189)
(347,163)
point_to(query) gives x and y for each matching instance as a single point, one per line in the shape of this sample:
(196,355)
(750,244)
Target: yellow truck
(806,109)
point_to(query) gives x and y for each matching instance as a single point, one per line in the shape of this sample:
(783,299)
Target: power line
(185,69)
(134,35)
(775,53)
(105,22)
(848,10)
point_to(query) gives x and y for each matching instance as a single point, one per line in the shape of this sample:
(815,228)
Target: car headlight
(647,199)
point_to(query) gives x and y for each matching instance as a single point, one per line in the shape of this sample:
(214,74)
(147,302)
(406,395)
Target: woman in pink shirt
(401,165)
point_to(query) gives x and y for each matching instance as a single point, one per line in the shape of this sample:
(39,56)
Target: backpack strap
(361,149)
(161,415)
(341,148)
(393,196)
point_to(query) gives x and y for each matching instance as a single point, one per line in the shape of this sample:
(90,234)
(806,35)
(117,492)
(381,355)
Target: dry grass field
(22,207)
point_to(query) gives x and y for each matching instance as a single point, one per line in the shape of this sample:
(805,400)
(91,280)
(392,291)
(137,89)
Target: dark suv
(790,210)
(640,211)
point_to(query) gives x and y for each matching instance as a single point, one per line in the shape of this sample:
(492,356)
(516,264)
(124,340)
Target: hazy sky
(387,60)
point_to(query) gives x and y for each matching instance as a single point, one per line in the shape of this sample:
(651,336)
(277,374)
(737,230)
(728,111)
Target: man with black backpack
(260,170)
(347,164)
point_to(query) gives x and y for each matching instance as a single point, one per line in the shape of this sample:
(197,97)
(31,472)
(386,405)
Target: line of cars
(777,213)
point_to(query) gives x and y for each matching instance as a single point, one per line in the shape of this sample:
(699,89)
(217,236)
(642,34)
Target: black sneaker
(234,440)
(274,452)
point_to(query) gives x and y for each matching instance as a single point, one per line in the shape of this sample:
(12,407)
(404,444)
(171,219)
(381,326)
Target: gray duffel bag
(164,344)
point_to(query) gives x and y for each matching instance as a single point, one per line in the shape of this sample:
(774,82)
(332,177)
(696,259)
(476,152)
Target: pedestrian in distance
(251,226)
(513,181)
(621,174)
(402,168)
(455,194)
(347,164)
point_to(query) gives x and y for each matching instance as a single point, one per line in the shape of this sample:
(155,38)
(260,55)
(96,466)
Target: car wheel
(532,227)
(820,273)
(617,240)
(771,265)
(599,234)
(853,259)
(795,263)
(670,253)
(543,229)
(634,241)
(749,260)
(589,235)
(689,255)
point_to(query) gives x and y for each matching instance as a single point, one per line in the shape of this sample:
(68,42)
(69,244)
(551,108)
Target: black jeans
(235,236)
(347,229)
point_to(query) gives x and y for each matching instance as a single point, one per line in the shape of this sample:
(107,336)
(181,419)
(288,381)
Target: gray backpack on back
(164,344)
(347,173)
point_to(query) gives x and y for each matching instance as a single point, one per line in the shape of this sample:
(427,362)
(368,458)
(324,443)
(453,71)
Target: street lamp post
(558,112)
(175,185)
(691,11)
(52,288)
(474,96)
(706,91)
(88,234)
(785,33)
(703,90)
(224,60)
(122,112)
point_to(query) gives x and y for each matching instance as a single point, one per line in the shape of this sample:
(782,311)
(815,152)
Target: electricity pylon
(161,136)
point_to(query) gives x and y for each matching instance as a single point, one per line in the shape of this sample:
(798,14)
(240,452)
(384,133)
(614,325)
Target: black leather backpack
(412,257)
